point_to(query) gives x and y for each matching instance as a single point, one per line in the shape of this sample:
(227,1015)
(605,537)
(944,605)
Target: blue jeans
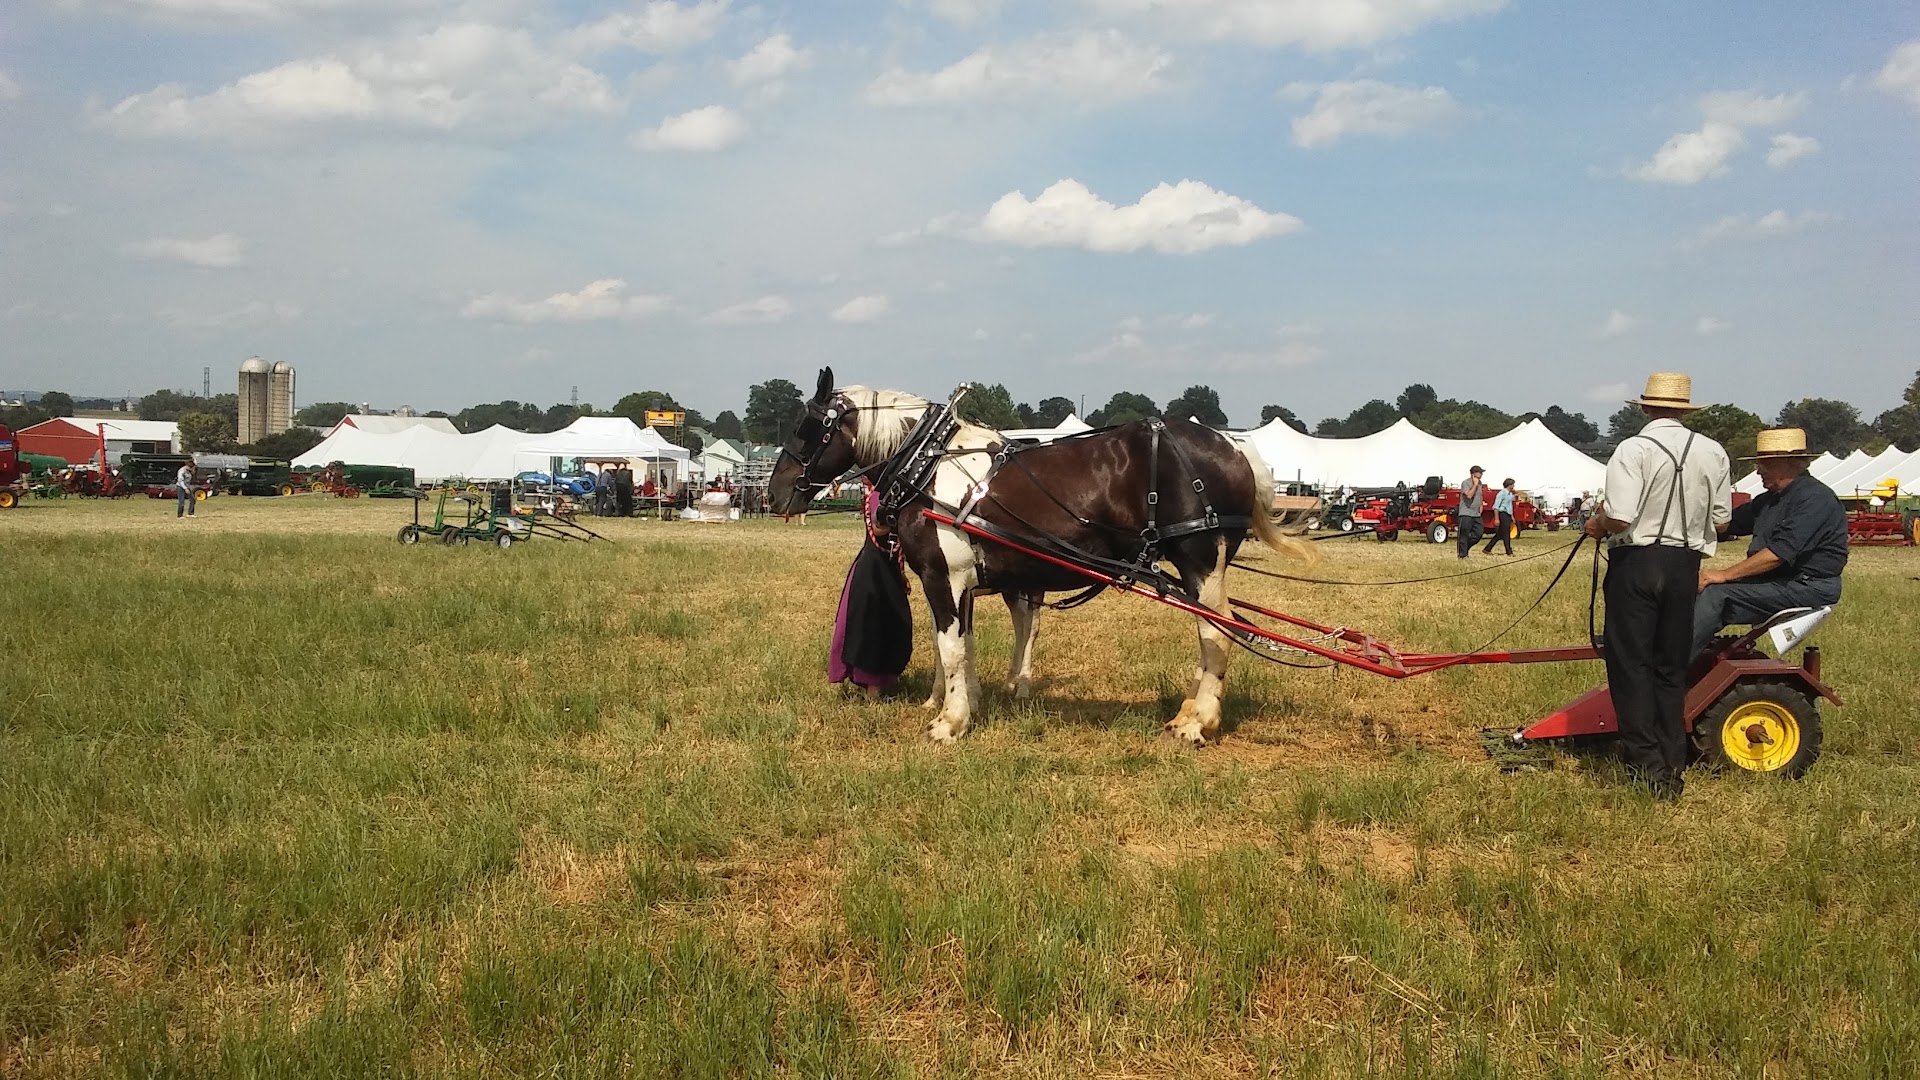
(183,501)
(1743,603)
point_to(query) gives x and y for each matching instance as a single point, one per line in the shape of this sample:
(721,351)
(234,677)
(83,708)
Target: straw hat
(1775,444)
(1667,390)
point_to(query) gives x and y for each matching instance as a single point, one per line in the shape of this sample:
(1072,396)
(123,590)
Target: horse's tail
(1264,525)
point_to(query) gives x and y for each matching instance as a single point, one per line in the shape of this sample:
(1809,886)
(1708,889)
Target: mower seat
(1787,628)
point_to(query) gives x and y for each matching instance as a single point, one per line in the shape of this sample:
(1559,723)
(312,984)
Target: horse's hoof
(1190,738)
(941,733)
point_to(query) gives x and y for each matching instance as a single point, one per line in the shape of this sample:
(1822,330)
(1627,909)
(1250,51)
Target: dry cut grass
(280,797)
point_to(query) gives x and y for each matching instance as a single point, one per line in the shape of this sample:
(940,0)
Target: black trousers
(1504,536)
(1470,529)
(1649,638)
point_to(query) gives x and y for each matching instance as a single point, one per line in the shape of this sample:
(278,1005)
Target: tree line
(774,408)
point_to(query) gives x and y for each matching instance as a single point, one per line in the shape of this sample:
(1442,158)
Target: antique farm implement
(1743,707)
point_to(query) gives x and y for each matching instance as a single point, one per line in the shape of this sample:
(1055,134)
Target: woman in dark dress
(873,631)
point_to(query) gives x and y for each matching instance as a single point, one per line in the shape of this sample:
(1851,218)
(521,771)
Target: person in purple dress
(873,630)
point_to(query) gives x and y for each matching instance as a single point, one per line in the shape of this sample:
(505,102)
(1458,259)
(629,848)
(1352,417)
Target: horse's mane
(882,419)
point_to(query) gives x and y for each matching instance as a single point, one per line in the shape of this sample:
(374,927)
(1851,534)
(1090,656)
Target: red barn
(77,438)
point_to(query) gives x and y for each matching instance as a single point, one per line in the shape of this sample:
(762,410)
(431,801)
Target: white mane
(882,419)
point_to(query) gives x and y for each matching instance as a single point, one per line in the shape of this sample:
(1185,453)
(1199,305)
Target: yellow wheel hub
(6,500)
(1761,736)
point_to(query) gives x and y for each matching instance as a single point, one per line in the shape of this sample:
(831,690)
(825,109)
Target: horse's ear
(825,390)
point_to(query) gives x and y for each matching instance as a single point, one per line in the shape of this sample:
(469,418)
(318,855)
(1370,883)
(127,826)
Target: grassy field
(281,798)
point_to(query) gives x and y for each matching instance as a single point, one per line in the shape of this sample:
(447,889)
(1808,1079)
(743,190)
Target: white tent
(1533,455)
(1072,425)
(608,438)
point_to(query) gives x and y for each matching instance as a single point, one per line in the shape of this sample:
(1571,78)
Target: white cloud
(1367,107)
(658,27)
(1613,391)
(980,334)
(1692,156)
(964,12)
(602,299)
(257,313)
(1196,320)
(1180,219)
(242,11)
(1287,354)
(771,60)
(219,251)
(766,309)
(1771,223)
(1748,109)
(1707,326)
(704,130)
(1901,75)
(9,90)
(457,76)
(1091,68)
(1788,148)
(1133,324)
(1320,25)
(1618,324)
(862,309)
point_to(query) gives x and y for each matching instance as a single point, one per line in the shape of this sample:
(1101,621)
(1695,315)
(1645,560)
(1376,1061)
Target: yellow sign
(665,419)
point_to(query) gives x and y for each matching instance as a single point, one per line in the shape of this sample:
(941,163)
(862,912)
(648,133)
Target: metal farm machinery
(1876,517)
(1743,708)
(1431,510)
(490,517)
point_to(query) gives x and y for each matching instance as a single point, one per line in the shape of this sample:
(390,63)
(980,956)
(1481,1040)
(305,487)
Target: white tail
(1263,523)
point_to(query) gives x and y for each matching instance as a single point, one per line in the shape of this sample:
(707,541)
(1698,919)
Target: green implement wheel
(1768,728)
(409,534)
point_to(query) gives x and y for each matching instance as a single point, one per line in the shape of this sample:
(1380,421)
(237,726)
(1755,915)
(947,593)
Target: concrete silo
(255,393)
(280,398)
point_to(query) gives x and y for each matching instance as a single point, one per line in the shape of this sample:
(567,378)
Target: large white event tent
(1072,425)
(498,453)
(1533,455)
(1857,473)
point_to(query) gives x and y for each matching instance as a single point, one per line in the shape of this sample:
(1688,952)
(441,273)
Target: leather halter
(829,416)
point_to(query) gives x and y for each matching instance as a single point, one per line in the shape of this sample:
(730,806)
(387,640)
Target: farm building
(77,438)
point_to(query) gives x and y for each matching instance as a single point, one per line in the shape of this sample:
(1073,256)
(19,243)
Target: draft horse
(1131,497)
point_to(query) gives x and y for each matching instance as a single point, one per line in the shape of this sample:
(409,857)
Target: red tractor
(1433,509)
(12,490)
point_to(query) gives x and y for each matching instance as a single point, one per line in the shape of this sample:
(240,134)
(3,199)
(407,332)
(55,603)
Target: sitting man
(1799,544)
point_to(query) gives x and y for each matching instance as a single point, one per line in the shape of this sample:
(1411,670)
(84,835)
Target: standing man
(1669,493)
(183,503)
(1473,503)
(1503,505)
(1799,546)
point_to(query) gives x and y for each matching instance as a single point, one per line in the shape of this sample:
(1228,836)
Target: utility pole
(576,399)
(206,382)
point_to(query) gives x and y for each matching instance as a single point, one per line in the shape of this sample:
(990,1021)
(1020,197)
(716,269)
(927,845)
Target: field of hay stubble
(279,797)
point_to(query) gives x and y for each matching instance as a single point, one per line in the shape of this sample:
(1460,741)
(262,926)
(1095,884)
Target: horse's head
(821,450)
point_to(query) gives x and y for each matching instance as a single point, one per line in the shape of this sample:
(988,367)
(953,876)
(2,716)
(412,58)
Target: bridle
(829,416)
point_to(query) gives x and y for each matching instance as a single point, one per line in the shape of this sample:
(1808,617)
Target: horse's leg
(1199,717)
(1026,626)
(937,693)
(950,594)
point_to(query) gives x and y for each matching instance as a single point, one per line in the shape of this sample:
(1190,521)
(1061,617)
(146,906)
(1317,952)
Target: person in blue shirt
(1502,505)
(1799,545)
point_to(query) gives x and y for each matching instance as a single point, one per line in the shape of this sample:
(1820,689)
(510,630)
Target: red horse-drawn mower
(12,490)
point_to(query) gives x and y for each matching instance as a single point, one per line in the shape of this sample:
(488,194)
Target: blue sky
(436,203)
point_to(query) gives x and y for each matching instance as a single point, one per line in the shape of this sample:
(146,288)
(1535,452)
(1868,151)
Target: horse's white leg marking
(1199,717)
(956,642)
(1026,624)
(937,693)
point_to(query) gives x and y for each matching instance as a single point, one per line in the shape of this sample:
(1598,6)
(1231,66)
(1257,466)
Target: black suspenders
(1678,490)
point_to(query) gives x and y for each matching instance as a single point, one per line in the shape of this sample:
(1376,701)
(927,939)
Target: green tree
(727,426)
(1200,404)
(22,416)
(322,414)
(1831,426)
(168,405)
(1729,425)
(1625,422)
(1051,411)
(1900,425)
(1123,408)
(774,409)
(1573,428)
(225,406)
(508,413)
(285,445)
(1375,415)
(1452,419)
(1415,400)
(1270,413)
(202,432)
(56,403)
(990,406)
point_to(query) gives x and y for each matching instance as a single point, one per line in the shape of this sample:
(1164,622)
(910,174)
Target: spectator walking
(1503,501)
(1473,503)
(184,502)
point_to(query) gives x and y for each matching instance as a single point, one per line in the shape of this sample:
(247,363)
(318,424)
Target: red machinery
(1433,510)
(12,490)
(1743,707)
(1874,517)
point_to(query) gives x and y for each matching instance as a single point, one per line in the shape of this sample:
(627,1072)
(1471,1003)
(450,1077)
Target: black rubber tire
(1752,703)
(1346,524)
(450,537)
(1437,533)
(1387,536)
(409,534)
(504,540)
